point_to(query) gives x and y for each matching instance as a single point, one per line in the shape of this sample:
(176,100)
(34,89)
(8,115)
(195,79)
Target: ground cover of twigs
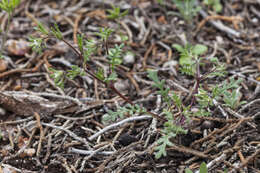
(45,128)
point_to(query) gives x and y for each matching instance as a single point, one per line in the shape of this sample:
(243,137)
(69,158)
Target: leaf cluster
(87,47)
(190,60)
(121,112)
(104,33)
(9,5)
(187,8)
(189,57)
(58,76)
(160,84)
(115,13)
(229,92)
(171,129)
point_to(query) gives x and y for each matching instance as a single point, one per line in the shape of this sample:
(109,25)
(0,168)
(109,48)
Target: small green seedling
(104,33)
(189,56)
(58,76)
(87,47)
(8,6)
(115,13)
(187,8)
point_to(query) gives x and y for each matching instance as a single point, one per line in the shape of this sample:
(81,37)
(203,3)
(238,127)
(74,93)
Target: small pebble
(129,58)
(3,65)
(207,125)
(2,111)
(121,85)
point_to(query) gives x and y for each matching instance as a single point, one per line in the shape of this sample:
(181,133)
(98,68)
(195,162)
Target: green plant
(115,13)
(216,5)
(189,56)
(203,168)
(187,8)
(230,98)
(58,76)
(175,112)
(8,6)
(86,49)
(202,99)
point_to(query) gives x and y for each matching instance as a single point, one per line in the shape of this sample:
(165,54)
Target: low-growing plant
(86,48)
(202,99)
(189,56)
(176,113)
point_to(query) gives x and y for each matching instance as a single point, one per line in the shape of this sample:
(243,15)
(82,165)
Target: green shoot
(160,85)
(58,76)
(189,57)
(115,56)
(40,28)
(55,31)
(187,8)
(8,6)
(75,71)
(104,33)
(37,44)
(162,143)
(232,99)
(115,13)
(86,47)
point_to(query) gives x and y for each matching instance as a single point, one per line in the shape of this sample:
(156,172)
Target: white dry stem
(120,123)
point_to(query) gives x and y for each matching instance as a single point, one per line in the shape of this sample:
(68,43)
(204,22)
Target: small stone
(255,20)
(18,47)
(3,65)
(207,125)
(121,85)
(129,58)
(220,40)
(2,111)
